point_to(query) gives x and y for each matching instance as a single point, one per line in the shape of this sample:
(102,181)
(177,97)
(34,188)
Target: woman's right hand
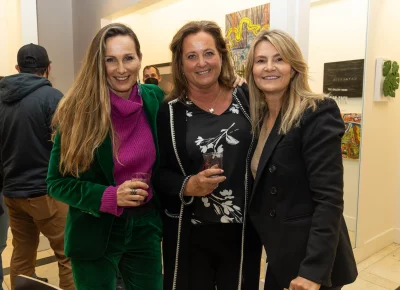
(125,196)
(204,182)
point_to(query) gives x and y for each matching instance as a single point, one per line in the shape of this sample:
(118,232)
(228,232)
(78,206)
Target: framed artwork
(344,78)
(241,28)
(352,135)
(166,83)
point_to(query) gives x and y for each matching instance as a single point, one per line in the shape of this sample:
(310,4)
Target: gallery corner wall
(378,208)
(10,31)
(335,41)
(56,35)
(67,27)
(86,21)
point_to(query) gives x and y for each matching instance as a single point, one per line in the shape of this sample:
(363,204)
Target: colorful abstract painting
(352,135)
(241,28)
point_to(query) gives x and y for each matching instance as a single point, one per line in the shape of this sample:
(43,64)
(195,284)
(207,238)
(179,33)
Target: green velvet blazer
(87,229)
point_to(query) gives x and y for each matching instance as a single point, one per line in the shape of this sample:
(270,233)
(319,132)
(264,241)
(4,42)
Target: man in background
(27,104)
(4,234)
(151,75)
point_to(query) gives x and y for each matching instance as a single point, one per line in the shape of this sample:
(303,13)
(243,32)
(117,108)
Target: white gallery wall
(56,35)
(29,33)
(338,31)
(86,19)
(156,28)
(378,216)
(10,32)
(66,29)
(397,202)
(18,26)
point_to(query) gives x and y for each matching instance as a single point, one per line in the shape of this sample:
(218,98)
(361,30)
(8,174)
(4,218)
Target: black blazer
(1,196)
(297,201)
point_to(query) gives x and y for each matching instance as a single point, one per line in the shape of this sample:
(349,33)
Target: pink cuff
(109,202)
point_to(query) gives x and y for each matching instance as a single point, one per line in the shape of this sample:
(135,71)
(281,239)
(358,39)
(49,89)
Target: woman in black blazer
(296,204)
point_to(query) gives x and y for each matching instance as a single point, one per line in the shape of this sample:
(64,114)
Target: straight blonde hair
(83,116)
(298,96)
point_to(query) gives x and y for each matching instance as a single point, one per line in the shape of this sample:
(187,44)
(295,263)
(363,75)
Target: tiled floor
(379,272)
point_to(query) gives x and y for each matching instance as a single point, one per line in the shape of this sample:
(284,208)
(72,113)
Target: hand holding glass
(143,177)
(211,159)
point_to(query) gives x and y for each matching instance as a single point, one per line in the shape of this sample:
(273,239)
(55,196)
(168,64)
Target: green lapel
(105,157)
(151,105)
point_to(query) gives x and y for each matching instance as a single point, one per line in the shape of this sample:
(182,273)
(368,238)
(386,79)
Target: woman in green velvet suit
(105,131)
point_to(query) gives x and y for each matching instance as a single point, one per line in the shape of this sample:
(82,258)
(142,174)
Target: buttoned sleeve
(322,131)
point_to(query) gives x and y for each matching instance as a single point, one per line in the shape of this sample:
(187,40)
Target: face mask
(151,81)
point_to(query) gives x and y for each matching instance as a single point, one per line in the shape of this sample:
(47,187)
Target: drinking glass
(143,177)
(213,158)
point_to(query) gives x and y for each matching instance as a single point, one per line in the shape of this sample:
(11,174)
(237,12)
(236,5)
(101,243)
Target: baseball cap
(32,56)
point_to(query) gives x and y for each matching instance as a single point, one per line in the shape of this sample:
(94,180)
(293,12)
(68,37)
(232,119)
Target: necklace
(211,109)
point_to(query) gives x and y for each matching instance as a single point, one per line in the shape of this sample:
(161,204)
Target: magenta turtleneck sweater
(136,151)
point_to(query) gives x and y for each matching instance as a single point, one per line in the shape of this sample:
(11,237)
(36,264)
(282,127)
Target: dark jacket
(27,104)
(297,201)
(1,196)
(176,167)
(87,230)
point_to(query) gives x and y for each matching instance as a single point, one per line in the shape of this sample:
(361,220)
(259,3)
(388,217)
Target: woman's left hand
(301,283)
(239,81)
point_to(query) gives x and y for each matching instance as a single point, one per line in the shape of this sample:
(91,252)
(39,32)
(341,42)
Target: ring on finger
(133,191)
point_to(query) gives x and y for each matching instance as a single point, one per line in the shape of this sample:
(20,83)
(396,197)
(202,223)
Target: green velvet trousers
(134,250)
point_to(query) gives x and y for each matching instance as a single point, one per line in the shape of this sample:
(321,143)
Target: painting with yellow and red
(352,136)
(241,28)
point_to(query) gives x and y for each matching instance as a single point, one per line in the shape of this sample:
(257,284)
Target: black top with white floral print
(229,133)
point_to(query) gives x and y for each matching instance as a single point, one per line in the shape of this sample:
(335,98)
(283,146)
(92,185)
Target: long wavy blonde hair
(298,96)
(83,116)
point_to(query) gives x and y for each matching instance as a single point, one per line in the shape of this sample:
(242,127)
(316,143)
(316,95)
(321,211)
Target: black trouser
(215,251)
(205,236)
(272,284)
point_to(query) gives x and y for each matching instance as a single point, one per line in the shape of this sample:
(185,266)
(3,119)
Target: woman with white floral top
(207,242)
